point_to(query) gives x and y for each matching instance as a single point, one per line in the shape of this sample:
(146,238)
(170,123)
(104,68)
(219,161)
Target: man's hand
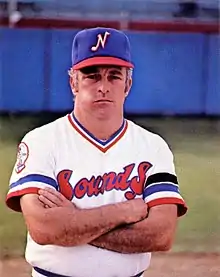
(137,210)
(52,198)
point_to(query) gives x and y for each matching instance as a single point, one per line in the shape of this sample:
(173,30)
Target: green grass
(197,159)
(198,166)
(12,229)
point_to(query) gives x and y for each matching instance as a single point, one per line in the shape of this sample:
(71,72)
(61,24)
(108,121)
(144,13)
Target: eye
(91,76)
(95,77)
(114,77)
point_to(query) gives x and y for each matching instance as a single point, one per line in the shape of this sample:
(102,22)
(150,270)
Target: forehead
(103,69)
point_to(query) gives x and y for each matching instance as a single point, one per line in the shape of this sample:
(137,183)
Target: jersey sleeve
(162,185)
(34,168)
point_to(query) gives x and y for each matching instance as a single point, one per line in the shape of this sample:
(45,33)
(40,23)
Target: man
(98,193)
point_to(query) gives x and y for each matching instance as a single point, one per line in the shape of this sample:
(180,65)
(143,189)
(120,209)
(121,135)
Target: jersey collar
(101,145)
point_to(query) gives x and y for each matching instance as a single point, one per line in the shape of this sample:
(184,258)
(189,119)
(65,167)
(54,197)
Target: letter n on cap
(101,41)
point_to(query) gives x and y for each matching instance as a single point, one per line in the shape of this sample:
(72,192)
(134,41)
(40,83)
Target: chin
(104,110)
(104,114)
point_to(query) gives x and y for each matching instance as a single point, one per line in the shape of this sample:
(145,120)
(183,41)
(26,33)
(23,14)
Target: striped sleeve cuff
(27,185)
(162,188)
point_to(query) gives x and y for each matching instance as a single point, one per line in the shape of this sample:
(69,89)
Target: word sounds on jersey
(107,182)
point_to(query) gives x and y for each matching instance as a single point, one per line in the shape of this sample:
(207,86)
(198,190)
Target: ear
(128,87)
(73,85)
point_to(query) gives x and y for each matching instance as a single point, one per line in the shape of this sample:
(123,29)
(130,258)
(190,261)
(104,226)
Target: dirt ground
(163,265)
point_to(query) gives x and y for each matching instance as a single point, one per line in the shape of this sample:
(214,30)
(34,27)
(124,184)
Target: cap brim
(103,61)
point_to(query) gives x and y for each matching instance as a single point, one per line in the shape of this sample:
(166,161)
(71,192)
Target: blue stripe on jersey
(103,143)
(160,188)
(35,178)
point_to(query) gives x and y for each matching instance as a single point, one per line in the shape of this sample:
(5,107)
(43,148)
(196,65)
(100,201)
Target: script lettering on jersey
(107,182)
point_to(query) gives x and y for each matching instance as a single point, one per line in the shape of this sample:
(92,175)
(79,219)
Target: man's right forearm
(65,226)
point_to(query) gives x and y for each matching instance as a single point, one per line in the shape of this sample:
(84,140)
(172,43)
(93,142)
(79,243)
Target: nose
(103,87)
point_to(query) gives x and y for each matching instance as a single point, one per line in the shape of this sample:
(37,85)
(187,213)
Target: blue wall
(175,73)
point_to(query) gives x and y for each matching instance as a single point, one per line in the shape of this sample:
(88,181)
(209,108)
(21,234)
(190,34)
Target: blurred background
(176,93)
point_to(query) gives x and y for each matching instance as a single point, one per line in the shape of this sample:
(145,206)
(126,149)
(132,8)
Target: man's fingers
(57,194)
(46,202)
(55,197)
(51,195)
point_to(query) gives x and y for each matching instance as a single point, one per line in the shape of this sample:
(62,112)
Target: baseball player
(98,193)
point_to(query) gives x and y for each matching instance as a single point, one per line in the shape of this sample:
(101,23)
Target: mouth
(103,101)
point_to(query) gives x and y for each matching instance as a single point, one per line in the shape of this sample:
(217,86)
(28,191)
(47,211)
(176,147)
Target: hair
(73,74)
(129,72)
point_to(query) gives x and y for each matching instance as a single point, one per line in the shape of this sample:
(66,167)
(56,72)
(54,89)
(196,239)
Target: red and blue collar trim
(103,146)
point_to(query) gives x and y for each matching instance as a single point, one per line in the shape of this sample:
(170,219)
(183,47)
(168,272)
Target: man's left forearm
(124,240)
(155,233)
(135,238)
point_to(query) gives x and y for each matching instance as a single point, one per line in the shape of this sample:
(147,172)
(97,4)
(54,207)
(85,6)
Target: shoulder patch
(22,156)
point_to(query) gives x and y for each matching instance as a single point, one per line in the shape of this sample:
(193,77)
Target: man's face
(102,89)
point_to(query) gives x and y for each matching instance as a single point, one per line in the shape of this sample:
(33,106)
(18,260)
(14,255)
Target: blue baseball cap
(101,46)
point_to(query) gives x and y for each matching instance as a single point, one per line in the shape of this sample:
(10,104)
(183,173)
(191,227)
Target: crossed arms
(126,227)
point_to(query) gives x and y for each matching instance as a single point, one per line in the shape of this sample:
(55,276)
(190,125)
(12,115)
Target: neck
(102,129)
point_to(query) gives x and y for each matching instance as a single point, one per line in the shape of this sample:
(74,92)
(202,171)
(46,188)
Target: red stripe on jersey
(182,208)
(13,198)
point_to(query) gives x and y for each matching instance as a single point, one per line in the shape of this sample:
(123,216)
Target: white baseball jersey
(133,163)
